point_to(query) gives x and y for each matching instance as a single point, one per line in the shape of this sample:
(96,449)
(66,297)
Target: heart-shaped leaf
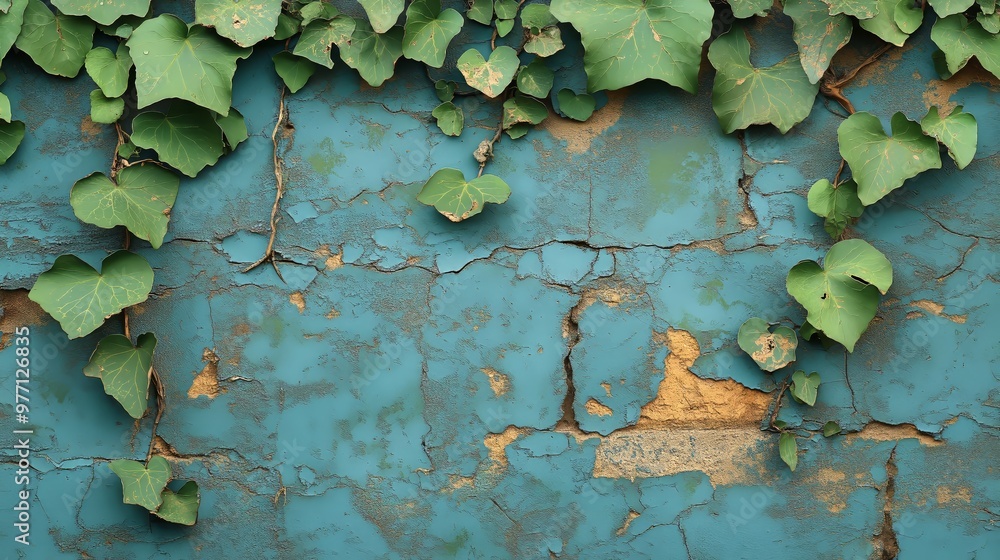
(57,43)
(805,387)
(817,34)
(143,485)
(842,296)
(382,14)
(141,201)
(481,11)
(175,62)
(627,41)
(578,107)
(445,90)
(187,137)
(105,110)
(124,369)
(945,8)
(831,428)
(458,199)
(318,37)
(547,42)
(11,134)
(958,132)
(490,77)
(104,12)
(373,55)
(180,507)
(10,25)
(881,163)
(81,298)
(743,95)
(504,26)
(535,79)
(961,39)
(839,205)
(428,31)
(295,71)
(895,21)
(861,9)
(109,70)
(772,350)
(316,10)
(244,23)
(521,109)
(287,27)
(450,118)
(788,449)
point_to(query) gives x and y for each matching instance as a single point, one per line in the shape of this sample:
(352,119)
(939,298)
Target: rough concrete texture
(556,378)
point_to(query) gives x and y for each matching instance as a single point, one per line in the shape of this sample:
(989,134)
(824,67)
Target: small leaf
(578,107)
(187,137)
(450,118)
(124,369)
(109,70)
(104,12)
(743,9)
(505,9)
(57,43)
(831,428)
(839,205)
(141,201)
(428,31)
(958,132)
(518,130)
(382,14)
(371,54)
(287,27)
(234,128)
(504,26)
(842,296)
(180,507)
(11,134)
(295,71)
(317,10)
(521,109)
(537,16)
(546,42)
(317,39)
(780,424)
(481,11)
(105,110)
(771,350)
(535,79)
(894,22)
(490,77)
(445,90)
(142,485)
(808,332)
(244,23)
(127,150)
(880,163)
(80,298)
(788,449)
(961,39)
(805,387)
(818,34)
(458,199)
(5,113)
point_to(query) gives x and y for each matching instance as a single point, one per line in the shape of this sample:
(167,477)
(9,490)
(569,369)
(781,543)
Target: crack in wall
(885,542)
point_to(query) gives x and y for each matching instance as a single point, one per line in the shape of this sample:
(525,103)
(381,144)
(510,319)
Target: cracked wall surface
(555,378)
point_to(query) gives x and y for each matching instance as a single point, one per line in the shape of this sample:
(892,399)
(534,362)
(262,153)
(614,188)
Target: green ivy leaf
(124,369)
(805,388)
(127,150)
(80,298)
(818,34)
(842,296)
(490,77)
(142,485)
(57,43)
(546,42)
(481,11)
(109,70)
(831,428)
(371,54)
(382,14)
(428,31)
(987,6)
(141,201)
(505,9)
(627,41)
(880,163)
(295,71)
(317,39)
(537,16)
(839,205)
(318,10)
(104,12)
(895,21)
(808,332)
(743,9)
(518,130)
(744,95)
(180,507)
(450,118)
(990,22)
(958,132)
(945,8)
(244,23)
(788,449)
(234,128)
(187,137)
(174,62)
(10,26)
(105,110)
(287,27)
(961,40)
(861,9)
(445,90)
(578,107)
(5,113)
(458,199)
(535,79)
(522,109)
(772,350)
(504,26)
(11,134)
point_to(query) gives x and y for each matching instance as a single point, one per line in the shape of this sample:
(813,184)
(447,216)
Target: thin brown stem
(279,192)
(777,406)
(161,405)
(834,89)
(836,178)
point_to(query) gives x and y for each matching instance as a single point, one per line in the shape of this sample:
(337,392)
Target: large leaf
(788,449)
(57,43)
(382,14)
(489,76)
(244,22)
(839,205)
(458,199)
(772,350)
(373,55)
(818,34)
(187,137)
(109,70)
(450,118)
(805,388)
(105,110)
(748,8)
(945,8)
(141,201)
(743,95)
(172,61)
(861,9)
(10,26)
(841,297)
(11,134)
(895,21)
(881,163)
(961,39)
(958,132)
(627,41)
(428,31)
(142,485)
(318,37)
(104,12)
(182,506)
(124,369)
(295,71)
(81,298)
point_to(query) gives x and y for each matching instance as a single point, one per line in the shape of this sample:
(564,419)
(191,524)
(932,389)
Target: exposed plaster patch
(935,308)
(89,128)
(831,487)
(298,300)
(206,382)
(332,314)
(607,387)
(499,382)
(496,444)
(947,495)
(16,310)
(597,409)
(632,514)
(579,135)
(877,431)
(939,92)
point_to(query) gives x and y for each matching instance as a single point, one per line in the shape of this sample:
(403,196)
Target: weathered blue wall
(401,395)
